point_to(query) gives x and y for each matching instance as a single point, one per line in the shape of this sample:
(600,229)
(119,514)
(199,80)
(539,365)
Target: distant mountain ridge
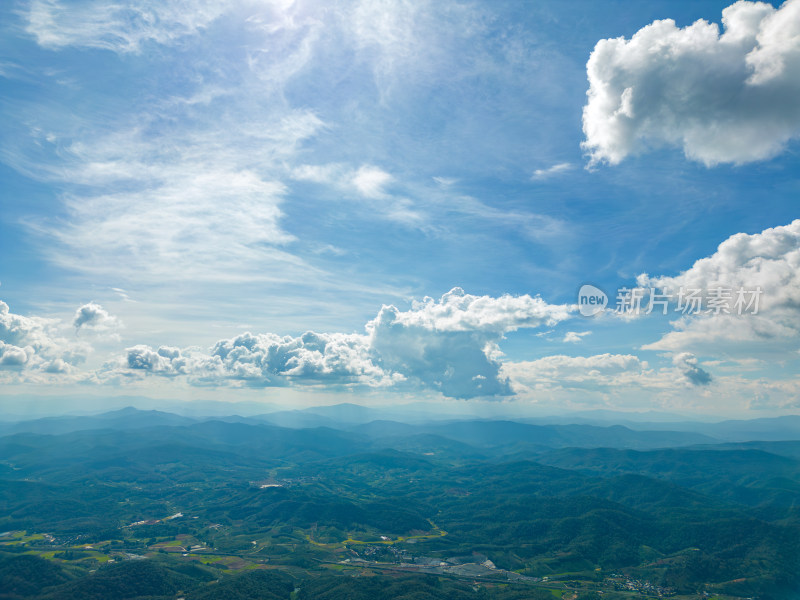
(527,434)
(477,433)
(124,418)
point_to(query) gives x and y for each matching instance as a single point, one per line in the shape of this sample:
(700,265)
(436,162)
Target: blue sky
(273,201)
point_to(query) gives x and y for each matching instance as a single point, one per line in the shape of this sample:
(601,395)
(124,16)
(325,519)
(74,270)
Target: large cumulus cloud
(768,261)
(451,345)
(447,345)
(729,98)
(31,347)
(269,359)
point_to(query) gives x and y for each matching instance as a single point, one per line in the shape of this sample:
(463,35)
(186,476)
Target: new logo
(591,300)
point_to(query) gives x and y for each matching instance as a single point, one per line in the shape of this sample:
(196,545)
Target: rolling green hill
(246,509)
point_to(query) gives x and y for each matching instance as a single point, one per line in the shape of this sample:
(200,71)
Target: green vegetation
(120,514)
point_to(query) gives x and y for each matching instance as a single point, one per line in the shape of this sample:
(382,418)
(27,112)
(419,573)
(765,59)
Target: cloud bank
(602,373)
(769,261)
(722,98)
(32,347)
(447,345)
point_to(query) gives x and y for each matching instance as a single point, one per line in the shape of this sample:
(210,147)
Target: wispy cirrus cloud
(181,186)
(551,171)
(371,181)
(193,184)
(120,26)
(370,185)
(170,211)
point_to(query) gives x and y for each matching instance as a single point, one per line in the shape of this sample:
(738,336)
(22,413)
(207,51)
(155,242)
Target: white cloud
(123,294)
(165,361)
(564,371)
(769,261)
(406,43)
(575,336)
(193,187)
(262,360)
(12,356)
(446,344)
(33,346)
(185,182)
(95,317)
(312,357)
(550,171)
(329,173)
(459,311)
(621,381)
(689,366)
(449,346)
(120,26)
(370,181)
(196,206)
(367,183)
(729,98)
(603,376)
(764,393)
(391,32)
